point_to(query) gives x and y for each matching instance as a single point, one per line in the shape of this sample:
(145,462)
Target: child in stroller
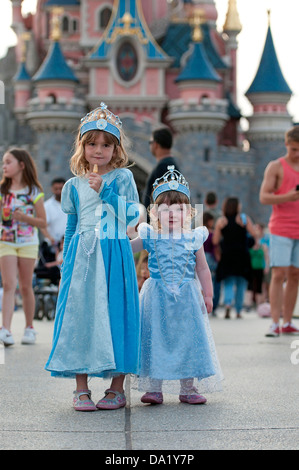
(47,277)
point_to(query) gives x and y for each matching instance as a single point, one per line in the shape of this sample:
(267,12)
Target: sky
(254,19)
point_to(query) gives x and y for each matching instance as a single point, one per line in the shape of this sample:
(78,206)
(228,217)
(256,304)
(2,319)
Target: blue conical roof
(198,66)
(54,66)
(22,75)
(269,77)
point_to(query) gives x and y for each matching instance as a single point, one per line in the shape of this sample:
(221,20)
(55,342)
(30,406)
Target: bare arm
(205,278)
(220,224)
(136,245)
(271,182)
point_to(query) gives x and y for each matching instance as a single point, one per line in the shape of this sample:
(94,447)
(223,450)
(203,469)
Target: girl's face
(100,153)
(11,166)
(172,217)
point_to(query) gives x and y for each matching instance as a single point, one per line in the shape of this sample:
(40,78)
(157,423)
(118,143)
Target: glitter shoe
(83,405)
(193,398)
(119,401)
(153,398)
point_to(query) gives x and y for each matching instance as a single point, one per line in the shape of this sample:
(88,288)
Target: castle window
(65,24)
(75,26)
(127,61)
(53,97)
(104,17)
(46,166)
(206,154)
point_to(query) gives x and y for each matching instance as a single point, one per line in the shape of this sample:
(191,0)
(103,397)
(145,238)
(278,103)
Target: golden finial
(56,23)
(25,37)
(196,22)
(232,21)
(269,17)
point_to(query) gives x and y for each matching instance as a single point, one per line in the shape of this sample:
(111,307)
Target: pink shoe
(83,405)
(153,398)
(193,398)
(119,401)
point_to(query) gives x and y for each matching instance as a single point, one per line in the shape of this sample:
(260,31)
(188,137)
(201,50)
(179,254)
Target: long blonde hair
(78,163)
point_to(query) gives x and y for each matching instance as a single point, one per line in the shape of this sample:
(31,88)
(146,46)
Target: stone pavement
(258,408)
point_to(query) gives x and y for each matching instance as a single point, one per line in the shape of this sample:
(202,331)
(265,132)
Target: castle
(151,62)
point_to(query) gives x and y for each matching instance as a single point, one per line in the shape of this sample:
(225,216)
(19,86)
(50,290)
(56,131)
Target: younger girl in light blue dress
(177,348)
(96,327)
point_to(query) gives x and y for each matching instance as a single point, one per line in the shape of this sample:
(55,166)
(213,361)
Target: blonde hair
(120,159)
(169,198)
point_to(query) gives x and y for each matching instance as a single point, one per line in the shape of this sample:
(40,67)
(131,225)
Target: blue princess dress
(96,328)
(176,338)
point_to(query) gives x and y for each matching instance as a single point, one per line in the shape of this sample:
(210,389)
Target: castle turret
(232,27)
(269,94)
(198,115)
(199,106)
(55,112)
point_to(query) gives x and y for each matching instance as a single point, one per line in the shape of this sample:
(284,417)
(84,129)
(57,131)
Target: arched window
(65,24)
(75,26)
(104,17)
(53,97)
(127,61)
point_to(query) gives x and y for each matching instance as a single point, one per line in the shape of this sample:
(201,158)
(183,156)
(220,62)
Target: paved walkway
(258,408)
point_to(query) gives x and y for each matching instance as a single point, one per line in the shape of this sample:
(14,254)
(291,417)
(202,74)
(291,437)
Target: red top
(284,220)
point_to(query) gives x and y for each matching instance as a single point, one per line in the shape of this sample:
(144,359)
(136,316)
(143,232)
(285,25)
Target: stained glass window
(127,61)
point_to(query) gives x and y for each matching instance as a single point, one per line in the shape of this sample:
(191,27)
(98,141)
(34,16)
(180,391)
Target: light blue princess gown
(176,338)
(96,328)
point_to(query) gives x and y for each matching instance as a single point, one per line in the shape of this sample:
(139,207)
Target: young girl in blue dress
(96,327)
(177,347)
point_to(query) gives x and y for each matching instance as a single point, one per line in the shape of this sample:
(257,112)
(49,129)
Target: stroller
(46,283)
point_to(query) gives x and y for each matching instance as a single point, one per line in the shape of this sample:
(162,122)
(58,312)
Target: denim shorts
(283,251)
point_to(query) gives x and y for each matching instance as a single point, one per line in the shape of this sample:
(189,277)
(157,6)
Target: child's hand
(95,181)
(18,215)
(209,304)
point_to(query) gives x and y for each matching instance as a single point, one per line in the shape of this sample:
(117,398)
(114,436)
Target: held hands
(95,181)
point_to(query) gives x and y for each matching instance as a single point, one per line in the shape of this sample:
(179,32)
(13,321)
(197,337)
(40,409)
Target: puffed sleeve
(147,235)
(200,236)
(68,197)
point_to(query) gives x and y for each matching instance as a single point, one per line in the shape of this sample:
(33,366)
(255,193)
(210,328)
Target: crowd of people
(133,324)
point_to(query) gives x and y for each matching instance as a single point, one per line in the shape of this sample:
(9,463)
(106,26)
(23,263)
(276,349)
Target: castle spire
(198,66)
(232,21)
(269,77)
(55,66)
(269,94)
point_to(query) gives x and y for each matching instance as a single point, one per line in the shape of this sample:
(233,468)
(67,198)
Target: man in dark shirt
(160,146)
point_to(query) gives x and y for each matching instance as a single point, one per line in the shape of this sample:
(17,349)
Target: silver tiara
(172,180)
